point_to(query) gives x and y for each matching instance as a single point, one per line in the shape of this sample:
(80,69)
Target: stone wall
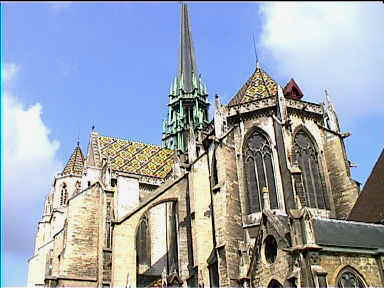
(124,236)
(81,251)
(37,265)
(366,265)
(345,190)
(202,223)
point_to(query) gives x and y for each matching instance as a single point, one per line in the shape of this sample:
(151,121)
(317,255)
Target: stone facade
(256,199)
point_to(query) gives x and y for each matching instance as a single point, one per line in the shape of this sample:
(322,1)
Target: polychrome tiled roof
(135,157)
(259,85)
(75,164)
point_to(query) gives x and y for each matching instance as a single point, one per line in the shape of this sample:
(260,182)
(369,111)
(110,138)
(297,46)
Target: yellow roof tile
(75,164)
(135,157)
(259,85)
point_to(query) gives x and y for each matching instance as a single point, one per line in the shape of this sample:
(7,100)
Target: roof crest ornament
(254,47)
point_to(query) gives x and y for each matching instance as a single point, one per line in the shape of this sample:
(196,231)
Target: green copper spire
(188,97)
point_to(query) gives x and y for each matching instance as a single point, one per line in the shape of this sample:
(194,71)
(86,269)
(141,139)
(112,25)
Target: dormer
(292,90)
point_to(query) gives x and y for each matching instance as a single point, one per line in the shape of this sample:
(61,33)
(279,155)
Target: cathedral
(259,196)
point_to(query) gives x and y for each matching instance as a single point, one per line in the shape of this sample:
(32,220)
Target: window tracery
(348,278)
(307,159)
(259,172)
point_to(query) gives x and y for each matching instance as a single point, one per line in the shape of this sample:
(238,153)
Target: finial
(328,99)
(265,193)
(254,46)
(327,95)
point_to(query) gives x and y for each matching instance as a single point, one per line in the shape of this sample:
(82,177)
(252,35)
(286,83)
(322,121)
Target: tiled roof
(369,207)
(259,85)
(75,164)
(332,232)
(137,158)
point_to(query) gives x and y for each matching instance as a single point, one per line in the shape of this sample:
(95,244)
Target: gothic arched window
(348,278)
(259,171)
(308,162)
(143,243)
(64,195)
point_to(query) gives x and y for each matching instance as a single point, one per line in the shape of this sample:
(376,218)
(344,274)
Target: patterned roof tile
(136,158)
(75,163)
(259,85)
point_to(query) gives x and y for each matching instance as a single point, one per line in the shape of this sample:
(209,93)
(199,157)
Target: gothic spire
(75,163)
(188,96)
(187,63)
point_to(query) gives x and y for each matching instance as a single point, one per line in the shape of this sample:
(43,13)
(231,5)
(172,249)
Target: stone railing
(304,106)
(251,106)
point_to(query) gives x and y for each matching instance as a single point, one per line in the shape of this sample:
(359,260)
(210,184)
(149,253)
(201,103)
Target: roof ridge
(137,142)
(347,221)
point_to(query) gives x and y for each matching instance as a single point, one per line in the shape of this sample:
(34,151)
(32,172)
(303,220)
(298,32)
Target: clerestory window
(259,171)
(312,178)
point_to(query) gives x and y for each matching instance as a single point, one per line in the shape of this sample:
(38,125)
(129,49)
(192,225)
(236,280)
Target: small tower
(188,97)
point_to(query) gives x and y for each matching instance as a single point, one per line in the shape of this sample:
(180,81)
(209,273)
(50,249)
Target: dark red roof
(369,207)
(292,90)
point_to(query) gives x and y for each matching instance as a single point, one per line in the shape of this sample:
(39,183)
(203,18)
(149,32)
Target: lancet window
(64,195)
(143,246)
(259,171)
(312,178)
(108,226)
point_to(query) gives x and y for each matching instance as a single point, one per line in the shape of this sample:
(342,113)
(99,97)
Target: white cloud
(59,5)
(338,46)
(9,72)
(30,163)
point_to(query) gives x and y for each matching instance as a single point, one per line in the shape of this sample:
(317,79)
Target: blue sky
(68,66)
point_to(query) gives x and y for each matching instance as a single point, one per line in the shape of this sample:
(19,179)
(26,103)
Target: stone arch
(249,133)
(259,170)
(306,155)
(125,229)
(302,127)
(274,284)
(149,269)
